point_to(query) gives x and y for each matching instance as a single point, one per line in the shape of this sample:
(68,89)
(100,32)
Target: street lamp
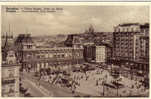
(131,70)
(103,83)
(115,74)
(103,86)
(117,86)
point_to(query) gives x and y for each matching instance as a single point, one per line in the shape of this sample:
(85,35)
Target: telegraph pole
(103,87)
(117,87)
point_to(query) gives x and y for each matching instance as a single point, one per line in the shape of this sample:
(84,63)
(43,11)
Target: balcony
(8,81)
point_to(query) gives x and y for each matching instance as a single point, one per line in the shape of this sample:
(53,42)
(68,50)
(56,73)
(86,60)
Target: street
(97,75)
(33,89)
(53,90)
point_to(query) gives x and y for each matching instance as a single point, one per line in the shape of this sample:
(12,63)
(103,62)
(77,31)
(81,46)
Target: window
(38,56)
(119,30)
(11,73)
(63,55)
(46,55)
(50,55)
(11,89)
(11,55)
(127,29)
(29,46)
(4,89)
(132,29)
(29,56)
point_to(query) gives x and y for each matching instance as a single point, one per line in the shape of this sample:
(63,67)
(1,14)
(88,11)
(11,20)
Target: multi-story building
(10,69)
(141,52)
(144,48)
(89,52)
(74,41)
(130,41)
(104,37)
(90,40)
(99,53)
(35,57)
(10,79)
(137,47)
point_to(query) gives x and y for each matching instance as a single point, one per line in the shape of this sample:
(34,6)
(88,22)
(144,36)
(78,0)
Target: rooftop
(128,24)
(24,38)
(146,25)
(49,49)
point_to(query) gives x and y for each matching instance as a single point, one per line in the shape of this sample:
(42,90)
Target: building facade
(10,69)
(99,53)
(74,40)
(10,80)
(131,41)
(89,52)
(35,58)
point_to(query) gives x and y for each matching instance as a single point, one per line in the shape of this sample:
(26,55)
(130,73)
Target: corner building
(34,58)
(131,44)
(10,69)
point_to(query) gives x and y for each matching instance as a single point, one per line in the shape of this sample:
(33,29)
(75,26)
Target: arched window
(127,29)
(132,30)
(123,30)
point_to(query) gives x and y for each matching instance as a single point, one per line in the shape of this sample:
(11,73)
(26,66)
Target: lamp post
(117,86)
(103,83)
(131,72)
(103,86)
(116,76)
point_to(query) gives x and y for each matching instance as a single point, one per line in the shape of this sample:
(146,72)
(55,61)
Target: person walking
(96,82)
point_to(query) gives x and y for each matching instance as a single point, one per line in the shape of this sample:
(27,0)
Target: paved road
(54,90)
(33,89)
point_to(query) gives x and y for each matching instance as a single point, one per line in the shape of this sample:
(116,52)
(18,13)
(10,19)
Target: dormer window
(10,59)
(29,46)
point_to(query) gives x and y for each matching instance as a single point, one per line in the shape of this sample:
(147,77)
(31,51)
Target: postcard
(75,50)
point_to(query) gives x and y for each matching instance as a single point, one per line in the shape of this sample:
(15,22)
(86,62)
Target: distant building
(90,40)
(34,58)
(9,37)
(89,52)
(10,69)
(144,48)
(74,41)
(99,53)
(90,37)
(137,51)
(131,41)
(104,37)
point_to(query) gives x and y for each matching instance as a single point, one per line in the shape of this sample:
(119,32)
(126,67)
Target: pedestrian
(97,82)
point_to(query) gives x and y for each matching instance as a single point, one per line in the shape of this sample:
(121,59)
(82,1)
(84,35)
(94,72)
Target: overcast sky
(73,19)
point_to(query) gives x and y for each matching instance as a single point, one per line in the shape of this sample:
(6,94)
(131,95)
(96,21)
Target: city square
(96,59)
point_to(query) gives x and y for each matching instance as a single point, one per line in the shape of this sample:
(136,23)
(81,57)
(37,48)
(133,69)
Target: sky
(71,19)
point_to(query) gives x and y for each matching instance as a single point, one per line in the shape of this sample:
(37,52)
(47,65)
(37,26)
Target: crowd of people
(100,81)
